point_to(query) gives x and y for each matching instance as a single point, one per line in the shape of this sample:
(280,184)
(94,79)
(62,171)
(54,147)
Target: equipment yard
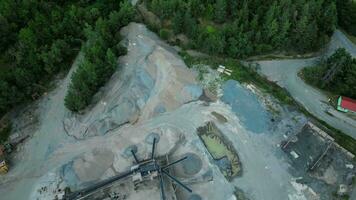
(319,162)
(155,111)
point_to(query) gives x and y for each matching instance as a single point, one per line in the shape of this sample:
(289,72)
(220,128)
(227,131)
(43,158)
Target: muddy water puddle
(221,150)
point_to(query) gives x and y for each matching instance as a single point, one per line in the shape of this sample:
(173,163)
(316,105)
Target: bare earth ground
(153,92)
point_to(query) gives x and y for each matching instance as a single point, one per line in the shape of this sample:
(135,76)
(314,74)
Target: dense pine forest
(244,28)
(100,57)
(38,39)
(346,14)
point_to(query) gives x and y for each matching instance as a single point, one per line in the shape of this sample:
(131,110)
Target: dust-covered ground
(154,92)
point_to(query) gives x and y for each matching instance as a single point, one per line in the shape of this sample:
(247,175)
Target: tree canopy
(38,39)
(245,28)
(336,74)
(346,14)
(100,57)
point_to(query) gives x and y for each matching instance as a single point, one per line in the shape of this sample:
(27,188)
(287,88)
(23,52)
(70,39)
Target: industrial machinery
(142,170)
(4,168)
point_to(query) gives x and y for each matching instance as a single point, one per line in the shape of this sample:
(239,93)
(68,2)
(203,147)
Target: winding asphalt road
(285,74)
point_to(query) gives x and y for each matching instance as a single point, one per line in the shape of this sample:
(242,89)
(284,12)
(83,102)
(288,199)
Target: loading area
(325,169)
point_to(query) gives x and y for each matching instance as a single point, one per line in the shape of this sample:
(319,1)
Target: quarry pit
(154,93)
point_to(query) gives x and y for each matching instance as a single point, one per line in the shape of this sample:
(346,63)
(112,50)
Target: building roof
(348,103)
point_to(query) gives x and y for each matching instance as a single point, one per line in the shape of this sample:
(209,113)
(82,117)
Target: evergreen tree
(282,39)
(189,24)
(40,38)
(346,12)
(337,74)
(197,8)
(178,22)
(233,8)
(328,19)
(220,10)
(209,12)
(271,26)
(299,39)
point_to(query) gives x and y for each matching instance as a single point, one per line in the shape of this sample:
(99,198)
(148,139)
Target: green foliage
(342,82)
(197,8)
(209,12)
(346,13)
(126,13)
(82,87)
(190,24)
(5,132)
(54,58)
(220,9)
(100,58)
(40,38)
(178,22)
(164,34)
(164,8)
(210,29)
(246,28)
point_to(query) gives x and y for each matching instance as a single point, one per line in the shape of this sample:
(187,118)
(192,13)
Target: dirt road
(19,182)
(339,40)
(285,73)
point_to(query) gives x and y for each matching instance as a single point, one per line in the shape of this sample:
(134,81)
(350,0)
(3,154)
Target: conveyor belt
(86,191)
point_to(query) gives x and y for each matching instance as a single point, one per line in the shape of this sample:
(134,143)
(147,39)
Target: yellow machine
(4,168)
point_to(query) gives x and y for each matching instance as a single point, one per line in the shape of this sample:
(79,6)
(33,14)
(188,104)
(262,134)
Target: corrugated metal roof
(348,103)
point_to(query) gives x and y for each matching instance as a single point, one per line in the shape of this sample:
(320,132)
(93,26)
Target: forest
(346,15)
(244,28)
(336,74)
(39,39)
(101,51)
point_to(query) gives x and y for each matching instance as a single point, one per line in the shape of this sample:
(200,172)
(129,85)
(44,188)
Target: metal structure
(144,169)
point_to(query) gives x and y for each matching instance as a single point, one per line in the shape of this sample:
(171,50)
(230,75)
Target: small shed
(346,104)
